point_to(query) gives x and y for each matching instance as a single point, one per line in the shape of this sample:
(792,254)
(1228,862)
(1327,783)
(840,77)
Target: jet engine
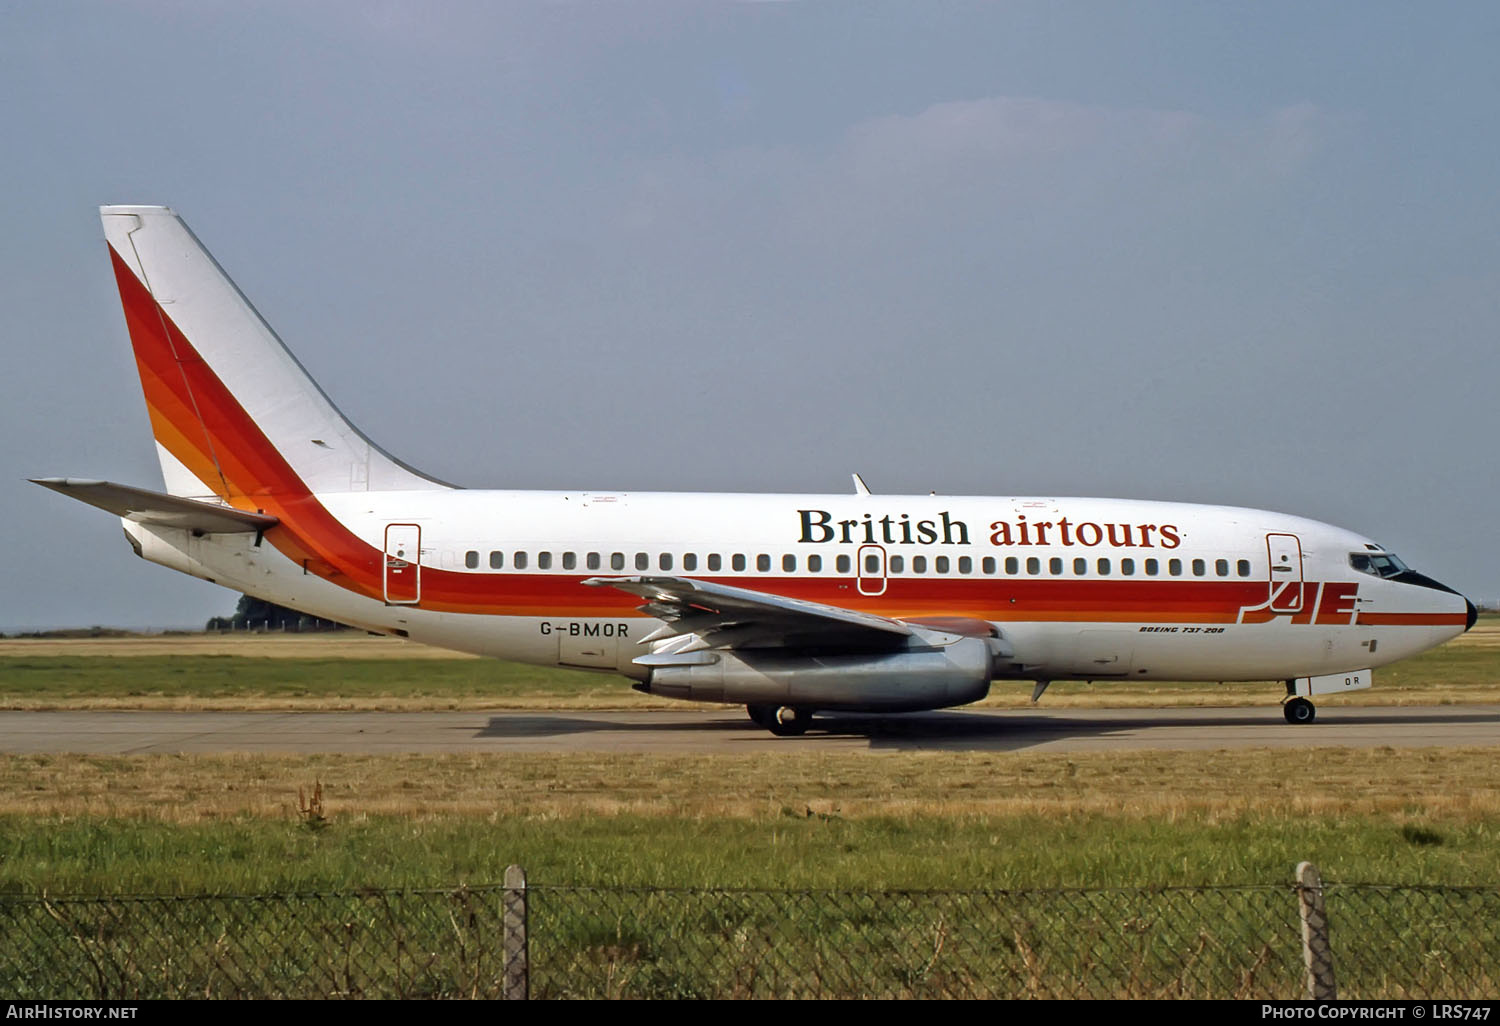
(918,677)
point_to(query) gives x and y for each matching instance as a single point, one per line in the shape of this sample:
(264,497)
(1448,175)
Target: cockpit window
(1376,564)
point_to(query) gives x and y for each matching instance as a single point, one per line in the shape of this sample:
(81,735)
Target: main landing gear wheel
(1299,710)
(762,715)
(789,722)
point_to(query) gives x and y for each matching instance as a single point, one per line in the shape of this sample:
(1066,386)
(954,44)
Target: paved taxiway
(710,730)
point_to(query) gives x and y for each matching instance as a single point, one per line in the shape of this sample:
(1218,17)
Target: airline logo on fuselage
(818,527)
(1306,602)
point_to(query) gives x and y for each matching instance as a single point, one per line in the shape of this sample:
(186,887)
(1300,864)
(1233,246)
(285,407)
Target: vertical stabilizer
(233,412)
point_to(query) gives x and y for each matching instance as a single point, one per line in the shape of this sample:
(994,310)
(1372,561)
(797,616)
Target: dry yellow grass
(617,696)
(1455,785)
(340,645)
(1003,695)
(1484,634)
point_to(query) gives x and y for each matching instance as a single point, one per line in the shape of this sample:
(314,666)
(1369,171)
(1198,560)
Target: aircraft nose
(1473,614)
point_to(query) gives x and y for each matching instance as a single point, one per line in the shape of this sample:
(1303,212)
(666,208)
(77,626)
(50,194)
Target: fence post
(513,930)
(1317,951)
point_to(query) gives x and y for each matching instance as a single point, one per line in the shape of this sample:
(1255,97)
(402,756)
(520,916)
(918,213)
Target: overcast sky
(1232,253)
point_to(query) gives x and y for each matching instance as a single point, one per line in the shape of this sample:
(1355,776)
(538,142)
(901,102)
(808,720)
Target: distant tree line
(253,614)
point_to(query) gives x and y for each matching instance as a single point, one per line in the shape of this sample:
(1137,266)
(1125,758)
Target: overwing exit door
(870,570)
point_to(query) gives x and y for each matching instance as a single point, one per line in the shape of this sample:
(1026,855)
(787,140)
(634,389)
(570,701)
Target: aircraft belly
(1158,651)
(1102,653)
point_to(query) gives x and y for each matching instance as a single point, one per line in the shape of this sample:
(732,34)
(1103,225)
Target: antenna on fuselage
(860,488)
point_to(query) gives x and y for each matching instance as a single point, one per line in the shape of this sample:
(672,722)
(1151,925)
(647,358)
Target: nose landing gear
(1299,710)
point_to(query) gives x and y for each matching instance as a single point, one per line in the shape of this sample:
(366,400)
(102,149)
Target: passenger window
(1103,568)
(872,565)
(471,559)
(593,560)
(1033,565)
(664,561)
(570,560)
(1127,567)
(1054,565)
(842,564)
(497,560)
(965,565)
(763,563)
(690,561)
(1199,568)
(642,561)
(919,564)
(738,562)
(897,564)
(617,560)
(815,564)
(789,564)
(1151,567)
(1221,567)
(518,561)
(988,565)
(940,564)
(1243,567)
(544,561)
(715,562)
(1174,567)
(1012,565)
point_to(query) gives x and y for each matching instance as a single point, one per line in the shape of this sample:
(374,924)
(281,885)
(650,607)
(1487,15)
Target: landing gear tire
(1299,710)
(762,715)
(789,722)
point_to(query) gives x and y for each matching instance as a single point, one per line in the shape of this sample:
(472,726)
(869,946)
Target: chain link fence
(563,942)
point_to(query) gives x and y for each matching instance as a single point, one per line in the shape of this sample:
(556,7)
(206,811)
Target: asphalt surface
(695,730)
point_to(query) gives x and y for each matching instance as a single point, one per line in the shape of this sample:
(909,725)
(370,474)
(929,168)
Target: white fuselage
(1080,588)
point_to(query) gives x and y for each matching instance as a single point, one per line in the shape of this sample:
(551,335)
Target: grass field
(875,821)
(1035,851)
(353,671)
(182,824)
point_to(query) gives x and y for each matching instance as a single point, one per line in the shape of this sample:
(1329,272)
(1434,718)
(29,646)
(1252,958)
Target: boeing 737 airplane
(788,604)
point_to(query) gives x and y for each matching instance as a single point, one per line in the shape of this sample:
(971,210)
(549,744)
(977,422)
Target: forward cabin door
(1285,552)
(403,564)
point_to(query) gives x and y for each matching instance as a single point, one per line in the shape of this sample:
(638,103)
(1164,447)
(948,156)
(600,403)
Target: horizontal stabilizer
(148,507)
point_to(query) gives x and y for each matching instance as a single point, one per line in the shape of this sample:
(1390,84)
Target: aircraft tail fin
(234,414)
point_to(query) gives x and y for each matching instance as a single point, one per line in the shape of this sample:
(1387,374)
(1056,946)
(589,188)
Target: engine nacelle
(903,681)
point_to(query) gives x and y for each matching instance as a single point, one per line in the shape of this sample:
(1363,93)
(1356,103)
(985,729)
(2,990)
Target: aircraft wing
(728,617)
(148,507)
